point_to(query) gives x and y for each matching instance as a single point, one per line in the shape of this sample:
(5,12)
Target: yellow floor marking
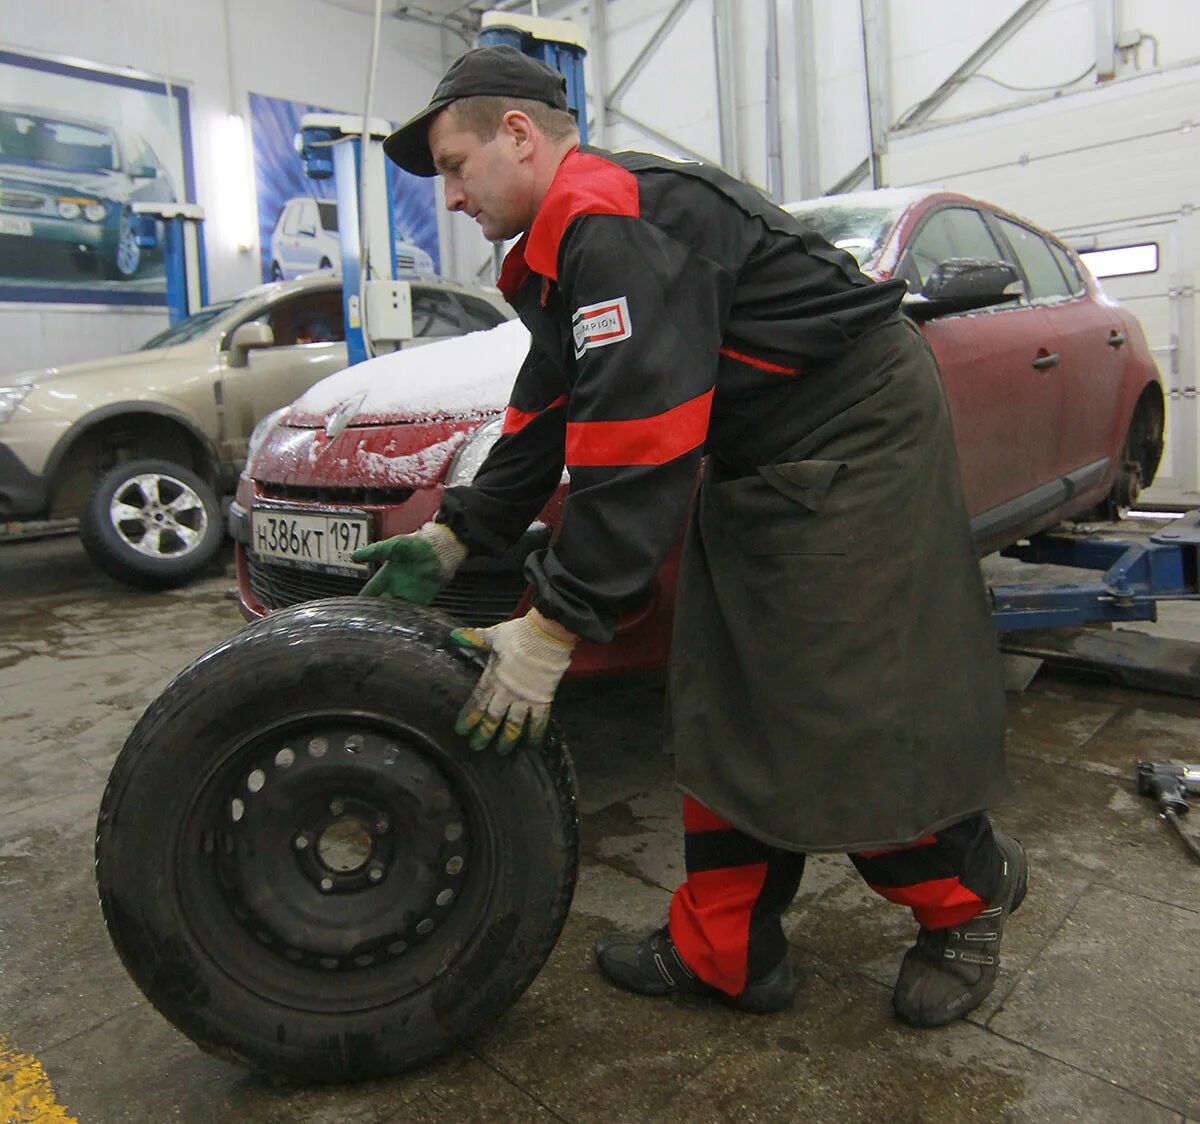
(25,1093)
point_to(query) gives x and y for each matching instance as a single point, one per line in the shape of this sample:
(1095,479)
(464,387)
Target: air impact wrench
(1169,785)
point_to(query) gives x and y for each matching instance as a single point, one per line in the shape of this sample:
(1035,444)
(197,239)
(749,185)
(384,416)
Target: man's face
(489,180)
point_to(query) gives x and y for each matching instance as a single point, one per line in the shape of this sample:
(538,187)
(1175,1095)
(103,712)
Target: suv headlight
(11,397)
(259,434)
(473,453)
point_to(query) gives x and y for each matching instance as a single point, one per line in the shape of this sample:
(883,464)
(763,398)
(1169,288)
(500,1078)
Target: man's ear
(521,129)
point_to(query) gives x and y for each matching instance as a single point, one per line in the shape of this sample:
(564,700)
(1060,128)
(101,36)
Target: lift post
(557,43)
(183,252)
(377,307)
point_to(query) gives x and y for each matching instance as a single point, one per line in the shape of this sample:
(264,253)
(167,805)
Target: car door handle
(1115,339)
(1043,361)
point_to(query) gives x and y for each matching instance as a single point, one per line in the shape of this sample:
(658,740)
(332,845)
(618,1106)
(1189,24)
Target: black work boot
(949,972)
(651,965)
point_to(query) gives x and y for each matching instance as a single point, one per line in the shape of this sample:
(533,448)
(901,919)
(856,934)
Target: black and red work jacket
(672,310)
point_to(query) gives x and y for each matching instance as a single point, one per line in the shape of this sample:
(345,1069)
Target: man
(834,680)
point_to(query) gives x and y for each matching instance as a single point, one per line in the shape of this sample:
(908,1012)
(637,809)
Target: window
(1041,270)
(308,218)
(308,318)
(434,314)
(328,212)
(291,218)
(1122,261)
(1074,280)
(952,232)
(479,315)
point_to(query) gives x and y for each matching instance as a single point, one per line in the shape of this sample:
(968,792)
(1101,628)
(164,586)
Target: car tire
(151,524)
(276,271)
(120,261)
(324,263)
(308,872)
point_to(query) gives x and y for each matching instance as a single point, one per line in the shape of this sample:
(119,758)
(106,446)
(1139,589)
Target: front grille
(334,496)
(21,201)
(480,596)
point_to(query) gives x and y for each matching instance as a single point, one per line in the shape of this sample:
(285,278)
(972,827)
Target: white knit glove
(516,688)
(449,552)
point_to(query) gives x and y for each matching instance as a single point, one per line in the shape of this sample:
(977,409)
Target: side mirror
(963,284)
(148,172)
(246,338)
(308,231)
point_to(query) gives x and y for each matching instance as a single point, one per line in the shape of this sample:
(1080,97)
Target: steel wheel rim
(305,911)
(158,515)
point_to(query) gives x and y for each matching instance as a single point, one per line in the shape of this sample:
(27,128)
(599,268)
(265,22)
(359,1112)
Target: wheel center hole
(345,845)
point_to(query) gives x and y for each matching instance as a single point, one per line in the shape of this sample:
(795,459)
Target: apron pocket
(783,509)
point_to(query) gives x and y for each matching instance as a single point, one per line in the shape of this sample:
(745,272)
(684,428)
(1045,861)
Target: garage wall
(299,49)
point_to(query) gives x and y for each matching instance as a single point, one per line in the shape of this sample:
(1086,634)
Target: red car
(1056,400)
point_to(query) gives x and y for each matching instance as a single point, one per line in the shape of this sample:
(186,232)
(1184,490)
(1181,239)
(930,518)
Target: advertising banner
(79,145)
(297,216)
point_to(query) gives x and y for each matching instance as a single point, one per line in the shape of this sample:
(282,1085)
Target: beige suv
(140,447)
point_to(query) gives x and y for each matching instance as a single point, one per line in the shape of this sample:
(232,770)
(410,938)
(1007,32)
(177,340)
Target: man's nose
(455,198)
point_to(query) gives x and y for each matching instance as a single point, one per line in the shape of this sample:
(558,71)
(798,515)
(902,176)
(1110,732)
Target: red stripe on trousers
(936,904)
(761,364)
(710,923)
(644,441)
(697,818)
(515,420)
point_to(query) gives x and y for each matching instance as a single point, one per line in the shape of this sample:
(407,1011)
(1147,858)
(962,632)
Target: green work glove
(516,688)
(415,567)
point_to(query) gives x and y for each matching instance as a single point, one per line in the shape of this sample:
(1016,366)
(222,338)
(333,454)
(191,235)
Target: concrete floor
(1096,1016)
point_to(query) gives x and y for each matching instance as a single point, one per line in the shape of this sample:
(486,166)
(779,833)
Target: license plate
(314,541)
(16,226)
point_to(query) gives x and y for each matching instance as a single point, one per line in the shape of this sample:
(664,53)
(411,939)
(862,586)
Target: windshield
(858,228)
(190,328)
(328,215)
(63,144)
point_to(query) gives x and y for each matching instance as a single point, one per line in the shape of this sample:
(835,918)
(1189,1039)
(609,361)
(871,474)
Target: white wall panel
(297,49)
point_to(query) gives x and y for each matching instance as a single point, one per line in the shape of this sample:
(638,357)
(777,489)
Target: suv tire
(308,872)
(151,524)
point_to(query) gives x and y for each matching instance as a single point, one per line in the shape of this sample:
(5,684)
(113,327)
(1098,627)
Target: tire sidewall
(366,670)
(118,559)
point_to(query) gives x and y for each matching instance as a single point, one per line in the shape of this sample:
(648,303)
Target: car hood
(130,364)
(467,377)
(41,176)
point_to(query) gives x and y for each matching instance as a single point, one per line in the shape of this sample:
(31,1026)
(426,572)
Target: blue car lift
(183,252)
(1046,620)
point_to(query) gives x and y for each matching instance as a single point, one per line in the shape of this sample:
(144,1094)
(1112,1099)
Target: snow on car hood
(468,376)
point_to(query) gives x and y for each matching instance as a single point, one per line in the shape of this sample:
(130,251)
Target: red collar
(585,184)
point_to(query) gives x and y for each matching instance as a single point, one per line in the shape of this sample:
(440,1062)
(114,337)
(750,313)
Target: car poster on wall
(79,145)
(297,216)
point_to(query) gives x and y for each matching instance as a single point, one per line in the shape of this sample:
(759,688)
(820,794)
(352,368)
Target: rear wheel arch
(117,433)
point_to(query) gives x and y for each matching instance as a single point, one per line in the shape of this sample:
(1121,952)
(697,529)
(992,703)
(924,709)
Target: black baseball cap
(485,71)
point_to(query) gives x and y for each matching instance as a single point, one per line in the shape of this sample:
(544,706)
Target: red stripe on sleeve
(516,420)
(761,364)
(654,440)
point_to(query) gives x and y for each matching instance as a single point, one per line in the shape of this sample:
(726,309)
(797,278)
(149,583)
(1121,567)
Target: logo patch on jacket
(598,325)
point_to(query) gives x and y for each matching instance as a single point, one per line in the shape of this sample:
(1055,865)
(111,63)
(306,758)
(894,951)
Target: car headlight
(95,212)
(259,434)
(68,209)
(473,453)
(11,397)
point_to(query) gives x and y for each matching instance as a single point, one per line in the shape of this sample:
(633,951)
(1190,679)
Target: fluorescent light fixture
(1122,261)
(235,185)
